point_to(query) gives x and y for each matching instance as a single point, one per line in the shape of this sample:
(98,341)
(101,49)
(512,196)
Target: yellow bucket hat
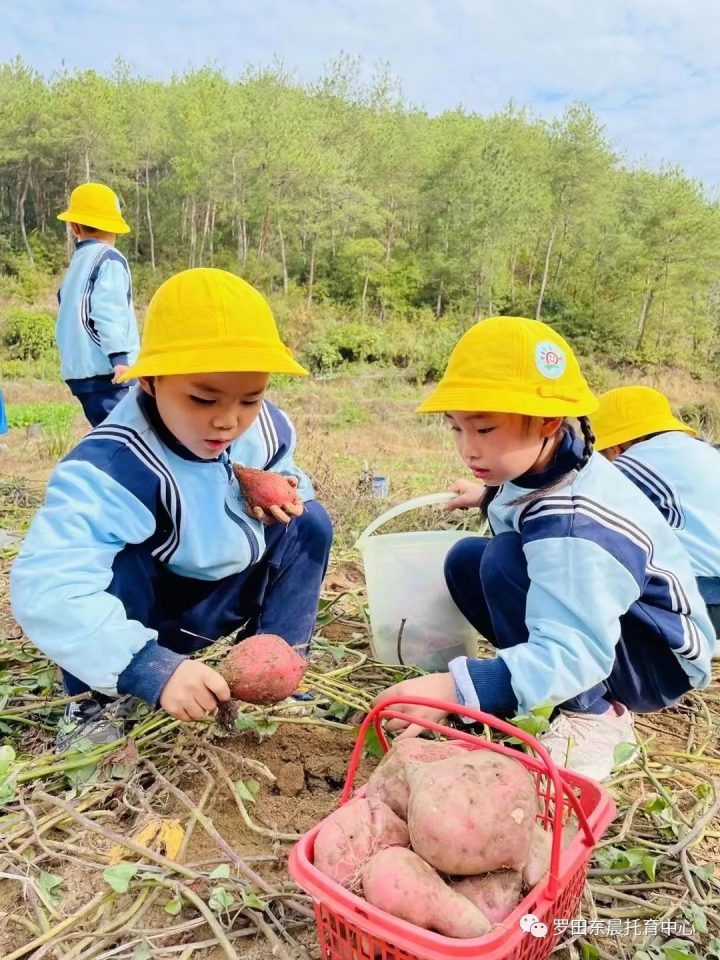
(627,413)
(95,205)
(210,321)
(512,365)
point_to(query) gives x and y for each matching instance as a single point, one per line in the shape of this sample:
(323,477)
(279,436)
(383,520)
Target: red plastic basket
(349,928)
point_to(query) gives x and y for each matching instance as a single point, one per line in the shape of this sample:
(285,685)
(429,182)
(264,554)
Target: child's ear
(550,426)
(148,385)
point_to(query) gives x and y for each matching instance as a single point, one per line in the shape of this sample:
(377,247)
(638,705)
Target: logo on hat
(550,360)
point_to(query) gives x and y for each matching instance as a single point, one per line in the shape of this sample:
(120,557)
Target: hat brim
(485,400)
(116,225)
(641,428)
(215,360)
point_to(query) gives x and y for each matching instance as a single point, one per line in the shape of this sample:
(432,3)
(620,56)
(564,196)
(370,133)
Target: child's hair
(562,481)
(88,229)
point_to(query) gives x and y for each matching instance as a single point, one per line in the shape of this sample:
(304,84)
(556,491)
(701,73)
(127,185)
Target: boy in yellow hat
(637,430)
(96,328)
(144,551)
(584,590)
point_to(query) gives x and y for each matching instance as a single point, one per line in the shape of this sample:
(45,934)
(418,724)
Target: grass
(225,891)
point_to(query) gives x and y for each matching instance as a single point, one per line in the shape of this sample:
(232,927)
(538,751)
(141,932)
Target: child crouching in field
(143,552)
(584,590)
(636,429)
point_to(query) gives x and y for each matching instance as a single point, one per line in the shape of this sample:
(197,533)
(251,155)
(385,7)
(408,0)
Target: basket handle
(383,711)
(429,500)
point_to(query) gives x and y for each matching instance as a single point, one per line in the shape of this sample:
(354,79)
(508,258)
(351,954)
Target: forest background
(380,232)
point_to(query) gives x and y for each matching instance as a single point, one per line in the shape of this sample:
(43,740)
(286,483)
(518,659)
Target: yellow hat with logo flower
(512,365)
(210,321)
(627,413)
(95,205)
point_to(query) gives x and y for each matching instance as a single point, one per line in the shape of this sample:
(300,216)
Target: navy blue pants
(489,582)
(279,594)
(709,588)
(97,404)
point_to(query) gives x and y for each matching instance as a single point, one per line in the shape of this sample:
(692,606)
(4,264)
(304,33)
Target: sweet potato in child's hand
(263,669)
(400,882)
(264,489)
(472,813)
(496,894)
(352,834)
(388,781)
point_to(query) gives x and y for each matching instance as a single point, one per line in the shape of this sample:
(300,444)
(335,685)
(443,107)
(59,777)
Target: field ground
(233,802)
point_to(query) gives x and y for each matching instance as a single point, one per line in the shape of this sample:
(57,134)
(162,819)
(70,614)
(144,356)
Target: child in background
(635,428)
(96,328)
(584,590)
(143,552)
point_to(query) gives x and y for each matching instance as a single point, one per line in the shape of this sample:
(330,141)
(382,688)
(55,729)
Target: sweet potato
(262,669)
(400,882)
(264,489)
(388,781)
(496,894)
(354,833)
(538,862)
(472,814)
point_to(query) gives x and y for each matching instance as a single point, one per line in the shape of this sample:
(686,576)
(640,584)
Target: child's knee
(503,559)
(465,556)
(316,525)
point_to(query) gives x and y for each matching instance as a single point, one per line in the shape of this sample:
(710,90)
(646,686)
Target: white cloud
(650,68)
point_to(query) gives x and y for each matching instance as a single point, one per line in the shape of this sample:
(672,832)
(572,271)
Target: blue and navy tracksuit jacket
(681,475)
(126,484)
(596,550)
(96,327)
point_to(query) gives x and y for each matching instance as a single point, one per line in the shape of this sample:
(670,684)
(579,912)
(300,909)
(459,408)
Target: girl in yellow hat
(146,549)
(583,590)
(637,430)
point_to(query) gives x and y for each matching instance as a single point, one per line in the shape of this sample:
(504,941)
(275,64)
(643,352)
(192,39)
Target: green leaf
(174,906)
(254,902)
(221,872)
(7,755)
(247,789)
(246,721)
(679,950)
(5,694)
(696,916)
(142,951)
(623,753)
(48,883)
(220,899)
(265,728)
(589,952)
(373,747)
(119,877)
(650,864)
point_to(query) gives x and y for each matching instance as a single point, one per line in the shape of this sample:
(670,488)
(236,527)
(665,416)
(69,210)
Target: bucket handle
(429,500)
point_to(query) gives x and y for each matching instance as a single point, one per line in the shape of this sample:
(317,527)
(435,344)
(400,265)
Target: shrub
(30,336)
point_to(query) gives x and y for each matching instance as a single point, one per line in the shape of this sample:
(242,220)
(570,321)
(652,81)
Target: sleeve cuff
(148,672)
(484,684)
(118,359)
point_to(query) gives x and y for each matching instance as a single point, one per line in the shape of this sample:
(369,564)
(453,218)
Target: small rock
(291,779)
(7,539)
(33,430)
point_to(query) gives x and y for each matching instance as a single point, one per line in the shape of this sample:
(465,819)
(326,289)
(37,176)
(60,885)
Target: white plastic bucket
(413,618)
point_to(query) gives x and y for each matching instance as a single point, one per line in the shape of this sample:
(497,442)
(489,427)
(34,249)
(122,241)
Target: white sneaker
(585,742)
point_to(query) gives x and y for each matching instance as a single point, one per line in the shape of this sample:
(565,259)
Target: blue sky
(649,68)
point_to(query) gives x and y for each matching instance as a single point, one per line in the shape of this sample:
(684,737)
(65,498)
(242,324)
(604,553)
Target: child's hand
(437,686)
(470,495)
(283,514)
(193,691)
(119,370)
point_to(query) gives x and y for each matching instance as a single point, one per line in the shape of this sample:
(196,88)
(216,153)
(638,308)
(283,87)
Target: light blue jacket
(596,550)
(127,482)
(96,327)
(681,475)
